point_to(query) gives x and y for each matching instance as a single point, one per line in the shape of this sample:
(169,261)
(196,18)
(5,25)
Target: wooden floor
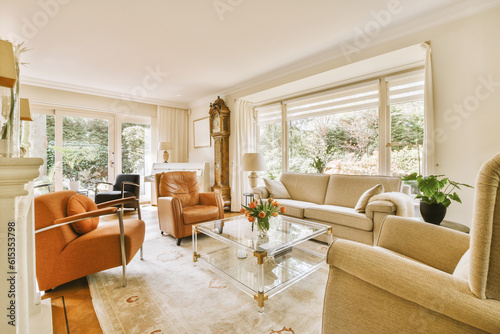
(72,309)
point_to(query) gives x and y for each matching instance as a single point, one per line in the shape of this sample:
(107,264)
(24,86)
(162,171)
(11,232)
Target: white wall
(201,154)
(61,98)
(465,53)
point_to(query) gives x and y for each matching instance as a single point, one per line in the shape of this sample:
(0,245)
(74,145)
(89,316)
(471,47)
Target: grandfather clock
(219,130)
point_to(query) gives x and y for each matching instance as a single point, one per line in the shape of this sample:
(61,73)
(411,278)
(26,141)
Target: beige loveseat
(330,199)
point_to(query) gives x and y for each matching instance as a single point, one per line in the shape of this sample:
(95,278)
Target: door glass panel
(85,151)
(38,138)
(136,145)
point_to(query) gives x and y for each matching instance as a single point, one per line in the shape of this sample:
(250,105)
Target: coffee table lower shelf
(243,269)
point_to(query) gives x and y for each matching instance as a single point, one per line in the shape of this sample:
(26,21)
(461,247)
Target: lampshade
(25,110)
(8,75)
(253,162)
(165,145)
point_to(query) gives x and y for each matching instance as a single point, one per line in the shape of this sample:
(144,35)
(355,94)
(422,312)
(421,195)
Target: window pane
(270,147)
(342,143)
(136,145)
(38,138)
(85,150)
(407,133)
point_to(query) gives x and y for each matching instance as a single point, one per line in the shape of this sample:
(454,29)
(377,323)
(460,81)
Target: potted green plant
(72,159)
(435,193)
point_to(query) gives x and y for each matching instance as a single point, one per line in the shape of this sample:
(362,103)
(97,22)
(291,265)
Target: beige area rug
(168,293)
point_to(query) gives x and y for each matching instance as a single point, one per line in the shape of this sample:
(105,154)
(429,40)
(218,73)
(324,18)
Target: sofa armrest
(380,206)
(436,246)
(377,211)
(214,199)
(412,281)
(260,192)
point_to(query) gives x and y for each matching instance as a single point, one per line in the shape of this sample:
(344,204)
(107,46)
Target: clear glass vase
(9,122)
(261,227)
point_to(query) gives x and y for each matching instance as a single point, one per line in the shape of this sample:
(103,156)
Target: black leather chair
(126,185)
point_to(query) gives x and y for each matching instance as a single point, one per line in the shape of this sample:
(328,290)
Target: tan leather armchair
(417,278)
(181,205)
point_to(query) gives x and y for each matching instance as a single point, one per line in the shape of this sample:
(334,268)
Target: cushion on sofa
(363,200)
(345,190)
(339,215)
(276,189)
(295,208)
(306,187)
(82,204)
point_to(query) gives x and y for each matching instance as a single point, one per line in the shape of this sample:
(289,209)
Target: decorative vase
(74,185)
(432,213)
(9,122)
(262,226)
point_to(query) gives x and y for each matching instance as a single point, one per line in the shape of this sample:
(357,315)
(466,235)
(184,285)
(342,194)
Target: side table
(248,198)
(445,223)
(455,226)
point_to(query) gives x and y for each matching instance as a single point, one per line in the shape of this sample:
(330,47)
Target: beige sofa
(330,199)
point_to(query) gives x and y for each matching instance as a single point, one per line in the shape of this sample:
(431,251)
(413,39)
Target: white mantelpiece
(17,252)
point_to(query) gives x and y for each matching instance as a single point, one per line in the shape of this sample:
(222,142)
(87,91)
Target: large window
(343,143)
(372,127)
(270,139)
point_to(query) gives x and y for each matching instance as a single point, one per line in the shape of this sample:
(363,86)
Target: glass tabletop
(284,232)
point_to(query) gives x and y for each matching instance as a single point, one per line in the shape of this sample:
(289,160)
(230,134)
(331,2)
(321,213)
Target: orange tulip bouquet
(262,211)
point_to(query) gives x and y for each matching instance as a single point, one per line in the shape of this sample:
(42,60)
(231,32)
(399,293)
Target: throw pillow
(81,204)
(363,200)
(276,189)
(462,268)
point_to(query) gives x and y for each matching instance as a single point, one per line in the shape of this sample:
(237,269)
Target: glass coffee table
(261,266)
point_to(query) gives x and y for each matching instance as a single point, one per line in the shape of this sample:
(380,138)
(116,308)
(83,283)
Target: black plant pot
(432,213)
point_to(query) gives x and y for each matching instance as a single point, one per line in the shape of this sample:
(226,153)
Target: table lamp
(253,162)
(25,110)
(8,76)
(164,146)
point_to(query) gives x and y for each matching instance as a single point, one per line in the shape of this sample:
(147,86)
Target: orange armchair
(181,205)
(63,255)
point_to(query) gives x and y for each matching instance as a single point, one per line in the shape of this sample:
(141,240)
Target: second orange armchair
(180,204)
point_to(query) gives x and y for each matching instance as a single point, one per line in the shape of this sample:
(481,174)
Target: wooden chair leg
(179,241)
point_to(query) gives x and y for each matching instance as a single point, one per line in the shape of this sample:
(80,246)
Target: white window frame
(384,116)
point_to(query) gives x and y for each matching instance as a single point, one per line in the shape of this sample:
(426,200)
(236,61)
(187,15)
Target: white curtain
(245,140)
(173,127)
(429,142)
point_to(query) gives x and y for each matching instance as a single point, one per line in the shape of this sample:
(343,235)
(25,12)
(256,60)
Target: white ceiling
(200,48)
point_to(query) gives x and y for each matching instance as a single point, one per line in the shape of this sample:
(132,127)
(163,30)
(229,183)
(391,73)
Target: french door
(84,149)
(88,147)
(133,154)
